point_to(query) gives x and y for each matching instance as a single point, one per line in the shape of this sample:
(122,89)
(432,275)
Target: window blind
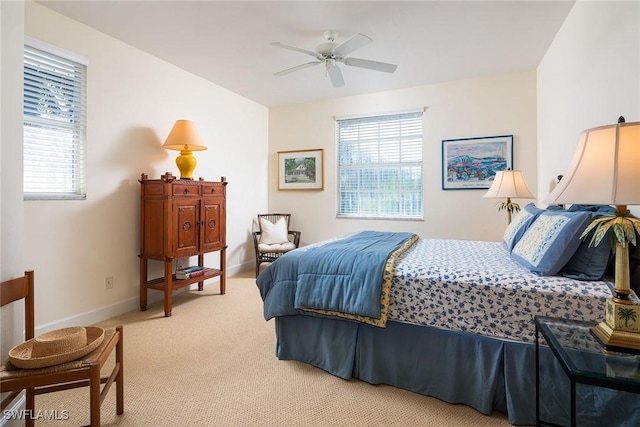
(54,125)
(380,166)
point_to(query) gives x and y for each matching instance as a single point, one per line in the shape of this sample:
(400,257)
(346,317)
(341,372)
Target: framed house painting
(301,170)
(472,163)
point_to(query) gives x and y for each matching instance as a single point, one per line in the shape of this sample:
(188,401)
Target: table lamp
(508,184)
(185,137)
(605,170)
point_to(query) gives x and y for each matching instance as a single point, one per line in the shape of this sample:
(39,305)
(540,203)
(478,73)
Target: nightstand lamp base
(621,329)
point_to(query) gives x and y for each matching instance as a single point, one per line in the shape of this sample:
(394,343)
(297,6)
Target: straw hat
(55,347)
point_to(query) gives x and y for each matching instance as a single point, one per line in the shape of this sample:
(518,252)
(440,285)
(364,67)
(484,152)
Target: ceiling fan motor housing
(326,49)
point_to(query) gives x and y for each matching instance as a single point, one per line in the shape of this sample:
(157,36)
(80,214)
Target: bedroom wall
(589,77)
(12,259)
(493,105)
(133,101)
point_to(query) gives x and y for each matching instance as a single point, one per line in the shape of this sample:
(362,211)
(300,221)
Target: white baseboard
(131,304)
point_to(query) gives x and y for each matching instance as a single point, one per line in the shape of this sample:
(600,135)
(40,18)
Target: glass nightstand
(583,360)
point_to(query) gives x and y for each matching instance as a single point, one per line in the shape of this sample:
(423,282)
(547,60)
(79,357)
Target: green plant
(623,226)
(508,206)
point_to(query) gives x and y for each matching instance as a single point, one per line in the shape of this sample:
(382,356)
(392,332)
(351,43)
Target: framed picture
(472,163)
(301,170)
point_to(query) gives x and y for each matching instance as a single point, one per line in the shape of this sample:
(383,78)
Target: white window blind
(54,125)
(380,166)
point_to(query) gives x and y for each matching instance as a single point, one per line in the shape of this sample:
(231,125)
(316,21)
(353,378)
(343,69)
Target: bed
(457,322)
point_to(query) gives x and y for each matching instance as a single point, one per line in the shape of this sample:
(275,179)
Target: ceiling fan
(330,53)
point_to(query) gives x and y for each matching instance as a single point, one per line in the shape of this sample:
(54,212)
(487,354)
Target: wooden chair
(271,252)
(85,371)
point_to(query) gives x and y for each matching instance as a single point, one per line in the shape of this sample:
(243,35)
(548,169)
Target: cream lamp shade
(185,137)
(605,170)
(509,184)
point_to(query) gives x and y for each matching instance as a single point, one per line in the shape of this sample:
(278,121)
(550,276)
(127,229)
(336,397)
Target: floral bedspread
(476,287)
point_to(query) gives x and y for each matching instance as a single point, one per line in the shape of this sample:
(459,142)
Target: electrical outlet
(108,282)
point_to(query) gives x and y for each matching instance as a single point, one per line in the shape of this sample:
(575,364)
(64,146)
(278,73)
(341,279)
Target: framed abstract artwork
(301,170)
(471,163)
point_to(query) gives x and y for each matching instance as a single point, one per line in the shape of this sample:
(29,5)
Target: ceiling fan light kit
(331,53)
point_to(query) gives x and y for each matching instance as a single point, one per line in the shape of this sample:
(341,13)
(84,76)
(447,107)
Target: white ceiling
(227,42)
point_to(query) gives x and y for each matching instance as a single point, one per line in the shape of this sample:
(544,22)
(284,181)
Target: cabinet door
(186,213)
(212,224)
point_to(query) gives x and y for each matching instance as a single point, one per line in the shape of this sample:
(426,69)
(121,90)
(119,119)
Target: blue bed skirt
(485,373)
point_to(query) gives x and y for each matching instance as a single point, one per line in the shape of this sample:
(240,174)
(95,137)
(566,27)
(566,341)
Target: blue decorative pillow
(549,243)
(604,209)
(590,262)
(555,208)
(520,223)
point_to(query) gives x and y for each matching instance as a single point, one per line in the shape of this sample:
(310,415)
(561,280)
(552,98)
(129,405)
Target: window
(54,123)
(380,166)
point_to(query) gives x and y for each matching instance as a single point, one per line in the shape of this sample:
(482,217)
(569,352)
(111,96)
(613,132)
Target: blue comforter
(343,275)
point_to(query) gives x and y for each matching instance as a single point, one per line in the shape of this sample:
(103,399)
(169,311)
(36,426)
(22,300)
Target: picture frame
(301,170)
(471,163)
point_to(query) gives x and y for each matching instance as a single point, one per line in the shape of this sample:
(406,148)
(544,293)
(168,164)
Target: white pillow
(273,234)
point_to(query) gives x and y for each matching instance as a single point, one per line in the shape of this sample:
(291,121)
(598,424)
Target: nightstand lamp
(605,170)
(508,184)
(185,137)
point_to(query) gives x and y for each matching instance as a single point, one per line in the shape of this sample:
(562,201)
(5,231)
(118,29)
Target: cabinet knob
(186,191)
(213,190)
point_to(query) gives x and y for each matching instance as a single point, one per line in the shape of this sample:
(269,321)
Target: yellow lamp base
(621,329)
(186,164)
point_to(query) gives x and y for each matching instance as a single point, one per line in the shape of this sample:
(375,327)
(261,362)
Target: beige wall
(12,260)
(133,101)
(494,105)
(589,77)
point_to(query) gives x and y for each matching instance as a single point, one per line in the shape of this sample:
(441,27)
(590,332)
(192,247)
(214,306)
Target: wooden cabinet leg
(168,287)
(143,287)
(201,263)
(223,268)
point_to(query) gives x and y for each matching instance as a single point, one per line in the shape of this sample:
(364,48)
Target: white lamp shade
(184,136)
(509,184)
(605,169)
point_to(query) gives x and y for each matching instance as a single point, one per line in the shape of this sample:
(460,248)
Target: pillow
(555,208)
(589,262)
(604,209)
(520,223)
(273,234)
(549,243)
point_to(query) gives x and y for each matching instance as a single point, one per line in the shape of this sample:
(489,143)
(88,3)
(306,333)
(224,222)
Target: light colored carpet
(213,363)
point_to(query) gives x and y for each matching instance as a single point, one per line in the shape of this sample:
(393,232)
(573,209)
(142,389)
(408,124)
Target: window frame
(403,164)
(71,130)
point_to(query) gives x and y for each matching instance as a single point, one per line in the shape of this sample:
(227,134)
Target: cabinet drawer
(152,188)
(185,190)
(212,189)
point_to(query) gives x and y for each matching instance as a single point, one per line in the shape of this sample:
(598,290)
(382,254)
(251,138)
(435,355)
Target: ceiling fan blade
(372,65)
(297,67)
(355,42)
(296,49)
(336,76)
